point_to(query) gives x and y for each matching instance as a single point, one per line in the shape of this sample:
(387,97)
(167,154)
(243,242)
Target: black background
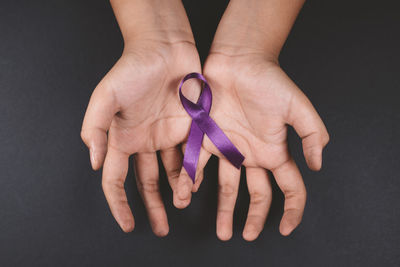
(343,54)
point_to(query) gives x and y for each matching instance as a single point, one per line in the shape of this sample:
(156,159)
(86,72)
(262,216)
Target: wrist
(162,21)
(244,50)
(221,64)
(255,27)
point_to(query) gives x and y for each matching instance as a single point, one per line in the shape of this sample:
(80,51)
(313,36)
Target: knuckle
(173,174)
(150,186)
(85,136)
(325,138)
(107,183)
(257,197)
(298,195)
(293,216)
(281,162)
(227,190)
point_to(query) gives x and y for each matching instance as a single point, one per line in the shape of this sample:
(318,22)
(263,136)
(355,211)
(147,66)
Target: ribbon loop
(202,124)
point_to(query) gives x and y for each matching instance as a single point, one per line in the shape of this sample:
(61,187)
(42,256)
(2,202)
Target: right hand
(137,103)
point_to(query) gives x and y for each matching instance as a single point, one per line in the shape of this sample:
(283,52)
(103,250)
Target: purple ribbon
(203,124)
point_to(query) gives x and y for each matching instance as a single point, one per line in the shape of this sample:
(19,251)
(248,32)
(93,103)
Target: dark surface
(343,54)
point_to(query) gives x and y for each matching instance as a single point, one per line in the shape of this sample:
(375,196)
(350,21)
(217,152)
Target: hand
(253,102)
(137,103)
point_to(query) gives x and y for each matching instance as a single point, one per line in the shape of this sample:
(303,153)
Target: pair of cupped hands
(136,110)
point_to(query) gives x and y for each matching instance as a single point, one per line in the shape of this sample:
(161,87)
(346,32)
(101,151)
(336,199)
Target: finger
(260,192)
(183,194)
(203,159)
(228,177)
(198,181)
(97,121)
(309,126)
(114,175)
(289,180)
(146,167)
(172,161)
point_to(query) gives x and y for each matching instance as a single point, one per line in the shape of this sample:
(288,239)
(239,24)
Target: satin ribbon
(203,124)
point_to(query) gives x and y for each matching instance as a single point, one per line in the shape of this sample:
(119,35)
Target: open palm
(253,102)
(137,104)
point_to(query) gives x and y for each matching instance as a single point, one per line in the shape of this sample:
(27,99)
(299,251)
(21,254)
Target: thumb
(97,121)
(309,126)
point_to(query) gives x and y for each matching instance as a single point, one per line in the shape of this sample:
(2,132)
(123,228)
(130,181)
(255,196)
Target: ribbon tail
(220,140)
(192,151)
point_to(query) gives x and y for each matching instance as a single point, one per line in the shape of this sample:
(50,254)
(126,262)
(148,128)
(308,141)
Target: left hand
(253,102)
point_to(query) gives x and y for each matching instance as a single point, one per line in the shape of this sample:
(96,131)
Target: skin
(137,104)
(253,102)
